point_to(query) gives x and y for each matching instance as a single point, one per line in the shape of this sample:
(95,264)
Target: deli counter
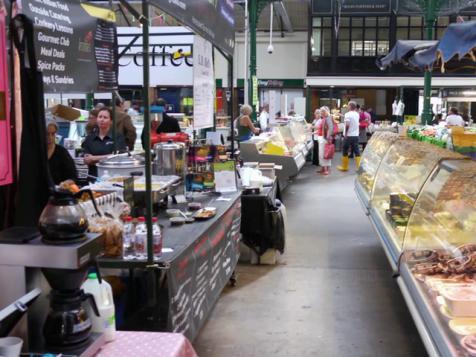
(285,145)
(423,207)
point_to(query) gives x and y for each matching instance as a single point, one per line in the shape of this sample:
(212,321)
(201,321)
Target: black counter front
(203,258)
(262,224)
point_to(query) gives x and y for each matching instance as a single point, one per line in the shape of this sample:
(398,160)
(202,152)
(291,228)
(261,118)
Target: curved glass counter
(402,173)
(371,159)
(439,256)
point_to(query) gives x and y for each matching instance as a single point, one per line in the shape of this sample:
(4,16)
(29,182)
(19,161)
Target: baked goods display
(373,155)
(112,235)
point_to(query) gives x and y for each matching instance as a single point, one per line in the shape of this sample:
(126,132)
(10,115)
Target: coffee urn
(169,159)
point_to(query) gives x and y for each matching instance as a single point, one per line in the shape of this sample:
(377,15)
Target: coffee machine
(57,321)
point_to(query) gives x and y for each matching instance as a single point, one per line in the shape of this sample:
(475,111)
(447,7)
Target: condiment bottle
(129,238)
(157,237)
(141,238)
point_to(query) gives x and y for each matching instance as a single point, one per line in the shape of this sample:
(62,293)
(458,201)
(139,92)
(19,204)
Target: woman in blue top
(245,126)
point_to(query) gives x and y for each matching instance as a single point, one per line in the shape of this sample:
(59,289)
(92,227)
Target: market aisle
(332,294)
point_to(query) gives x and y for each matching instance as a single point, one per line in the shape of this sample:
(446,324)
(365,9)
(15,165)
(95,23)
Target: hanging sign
(352,7)
(6,170)
(211,19)
(203,84)
(75,44)
(255,90)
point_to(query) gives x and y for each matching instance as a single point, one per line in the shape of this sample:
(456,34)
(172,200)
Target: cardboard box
(64,112)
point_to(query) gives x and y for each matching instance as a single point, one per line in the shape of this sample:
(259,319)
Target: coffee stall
(60,234)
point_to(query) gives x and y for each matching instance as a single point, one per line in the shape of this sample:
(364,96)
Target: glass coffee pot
(63,220)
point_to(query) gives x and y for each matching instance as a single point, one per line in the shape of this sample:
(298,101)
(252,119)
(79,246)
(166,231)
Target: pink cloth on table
(150,344)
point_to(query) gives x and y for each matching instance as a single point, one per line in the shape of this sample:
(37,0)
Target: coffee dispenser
(57,321)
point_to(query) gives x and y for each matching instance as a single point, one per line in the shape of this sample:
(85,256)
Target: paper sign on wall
(203,84)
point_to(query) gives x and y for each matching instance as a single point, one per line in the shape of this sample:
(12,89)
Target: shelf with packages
(275,148)
(371,159)
(438,264)
(401,174)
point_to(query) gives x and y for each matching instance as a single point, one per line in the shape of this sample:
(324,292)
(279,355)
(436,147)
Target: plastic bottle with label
(157,237)
(106,322)
(141,239)
(129,238)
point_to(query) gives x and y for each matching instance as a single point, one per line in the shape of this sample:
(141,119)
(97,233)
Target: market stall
(66,233)
(436,274)
(369,165)
(197,260)
(420,200)
(458,139)
(402,172)
(286,145)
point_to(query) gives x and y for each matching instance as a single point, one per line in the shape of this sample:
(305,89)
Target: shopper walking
(316,126)
(364,122)
(326,137)
(351,137)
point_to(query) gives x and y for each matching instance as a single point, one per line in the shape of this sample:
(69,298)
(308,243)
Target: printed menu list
(55,31)
(105,43)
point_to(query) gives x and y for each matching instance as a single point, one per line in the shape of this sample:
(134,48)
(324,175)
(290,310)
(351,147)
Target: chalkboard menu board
(75,45)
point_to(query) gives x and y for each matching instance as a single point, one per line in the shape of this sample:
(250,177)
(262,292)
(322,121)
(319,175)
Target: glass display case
(439,257)
(402,173)
(371,159)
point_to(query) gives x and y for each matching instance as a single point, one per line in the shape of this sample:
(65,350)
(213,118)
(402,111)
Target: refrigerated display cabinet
(371,159)
(437,273)
(271,149)
(400,176)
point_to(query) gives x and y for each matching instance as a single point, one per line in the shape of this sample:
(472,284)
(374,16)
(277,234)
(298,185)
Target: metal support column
(146,102)
(431,9)
(253,18)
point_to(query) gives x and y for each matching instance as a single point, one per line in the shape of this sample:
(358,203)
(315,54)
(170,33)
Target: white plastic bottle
(157,236)
(106,322)
(141,239)
(129,240)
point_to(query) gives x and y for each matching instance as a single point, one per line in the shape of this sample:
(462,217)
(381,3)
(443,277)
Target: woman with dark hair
(60,162)
(100,144)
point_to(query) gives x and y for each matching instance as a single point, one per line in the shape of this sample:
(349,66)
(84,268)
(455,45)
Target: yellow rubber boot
(357,161)
(345,164)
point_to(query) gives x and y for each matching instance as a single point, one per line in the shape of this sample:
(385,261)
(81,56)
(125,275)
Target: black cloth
(94,145)
(62,166)
(351,142)
(34,180)
(262,224)
(315,153)
(168,125)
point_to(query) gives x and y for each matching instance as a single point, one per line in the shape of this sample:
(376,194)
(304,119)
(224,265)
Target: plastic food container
(461,301)
(469,344)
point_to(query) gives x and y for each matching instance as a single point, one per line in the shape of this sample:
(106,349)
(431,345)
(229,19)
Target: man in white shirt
(351,136)
(264,118)
(454,119)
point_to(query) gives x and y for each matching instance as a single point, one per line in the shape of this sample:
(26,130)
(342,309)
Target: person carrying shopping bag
(315,135)
(326,141)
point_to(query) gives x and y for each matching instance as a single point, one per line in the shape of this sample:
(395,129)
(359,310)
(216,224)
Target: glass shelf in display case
(402,173)
(371,159)
(439,254)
